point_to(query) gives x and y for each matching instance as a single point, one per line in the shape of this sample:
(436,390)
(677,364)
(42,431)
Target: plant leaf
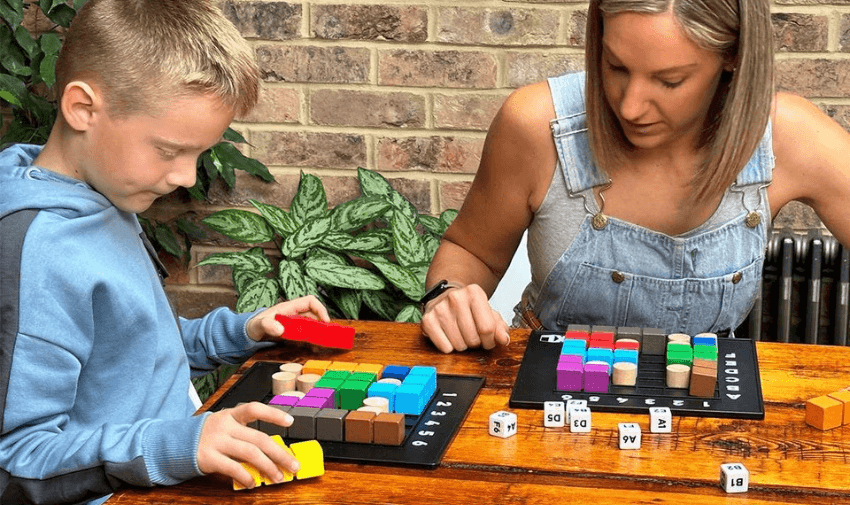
(25,40)
(13,12)
(348,300)
(307,236)
(310,201)
(277,218)
(61,14)
(354,214)
(190,229)
(252,260)
(381,303)
(401,204)
(331,273)
(232,159)
(165,237)
(223,166)
(433,224)
(408,245)
(12,60)
(372,241)
(337,241)
(448,216)
(291,279)
(404,279)
(240,225)
(372,183)
(261,292)
(234,136)
(409,314)
(242,278)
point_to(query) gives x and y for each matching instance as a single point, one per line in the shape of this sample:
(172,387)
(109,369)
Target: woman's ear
(81,105)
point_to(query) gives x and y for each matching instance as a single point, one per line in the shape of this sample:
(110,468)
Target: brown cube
(358,426)
(389,428)
(703,381)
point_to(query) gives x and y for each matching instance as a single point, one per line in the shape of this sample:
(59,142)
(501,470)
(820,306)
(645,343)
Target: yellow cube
(844,397)
(255,474)
(259,479)
(315,366)
(287,475)
(311,457)
(342,365)
(370,368)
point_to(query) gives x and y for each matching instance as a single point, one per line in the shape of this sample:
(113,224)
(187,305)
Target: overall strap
(13,229)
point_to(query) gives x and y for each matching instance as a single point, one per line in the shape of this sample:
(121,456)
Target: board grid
(737,393)
(426,436)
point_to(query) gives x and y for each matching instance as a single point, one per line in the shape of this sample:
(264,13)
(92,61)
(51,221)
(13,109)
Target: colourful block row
(319,367)
(829,411)
(309,454)
(648,340)
(339,425)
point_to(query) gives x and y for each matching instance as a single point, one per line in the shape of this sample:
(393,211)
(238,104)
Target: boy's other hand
(226,441)
(263,326)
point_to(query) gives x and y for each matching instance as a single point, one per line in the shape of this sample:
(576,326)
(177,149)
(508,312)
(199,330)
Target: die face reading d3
(316,332)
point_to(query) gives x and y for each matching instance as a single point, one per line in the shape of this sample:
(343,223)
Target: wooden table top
(788,461)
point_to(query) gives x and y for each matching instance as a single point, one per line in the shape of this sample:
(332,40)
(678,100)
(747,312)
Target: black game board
(427,436)
(737,395)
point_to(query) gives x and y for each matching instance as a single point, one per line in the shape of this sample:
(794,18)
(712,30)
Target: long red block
(316,332)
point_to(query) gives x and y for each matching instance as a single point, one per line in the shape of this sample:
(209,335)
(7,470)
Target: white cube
(574,404)
(629,435)
(734,478)
(580,420)
(660,420)
(502,424)
(553,414)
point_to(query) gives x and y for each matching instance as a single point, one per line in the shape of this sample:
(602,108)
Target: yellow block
(824,413)
(311,457)
(370,368)
(844,397)
(255,474)
(260,479)
(315,366)
(342,365)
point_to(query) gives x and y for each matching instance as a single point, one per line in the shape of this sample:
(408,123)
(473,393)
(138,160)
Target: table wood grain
(788,461)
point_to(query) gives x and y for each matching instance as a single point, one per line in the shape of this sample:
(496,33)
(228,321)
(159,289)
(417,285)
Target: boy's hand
(263,325)
(226,441)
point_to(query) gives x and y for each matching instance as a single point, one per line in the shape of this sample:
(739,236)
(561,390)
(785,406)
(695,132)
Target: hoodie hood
(25,186)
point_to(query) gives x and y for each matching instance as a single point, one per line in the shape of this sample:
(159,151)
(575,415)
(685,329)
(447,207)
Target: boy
(94,368)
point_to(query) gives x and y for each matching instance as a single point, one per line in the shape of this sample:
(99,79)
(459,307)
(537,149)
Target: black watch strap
(436,291)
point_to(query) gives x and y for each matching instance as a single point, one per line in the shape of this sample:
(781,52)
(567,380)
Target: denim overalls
(704,280)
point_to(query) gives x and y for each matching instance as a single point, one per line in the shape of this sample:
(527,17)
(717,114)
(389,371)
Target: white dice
(734,478)
(553,414)
(660,420)
(503,424)
(580,420)
(629,435)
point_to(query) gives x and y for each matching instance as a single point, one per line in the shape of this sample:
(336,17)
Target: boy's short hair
(143,52)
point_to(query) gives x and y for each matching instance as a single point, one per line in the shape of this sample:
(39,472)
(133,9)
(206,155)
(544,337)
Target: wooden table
(788,461)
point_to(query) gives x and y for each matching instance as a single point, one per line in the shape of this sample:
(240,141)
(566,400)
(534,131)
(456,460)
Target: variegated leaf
(337,241)
(381,303)
(240,225)
(407,281)
(348,300)
(401,204)
(433,224)
(291,279)
(277,218)
(372,183)
(307,236)
(409,314)
(261,292)
(407,244)
(241,279)
(354,214)
(321,253)
(372,241)
(310,201)
(430,243)
(448,216)
(331,273)
(253,260)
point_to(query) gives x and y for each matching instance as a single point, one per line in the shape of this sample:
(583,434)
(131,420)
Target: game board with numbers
(738,392)
(426,436)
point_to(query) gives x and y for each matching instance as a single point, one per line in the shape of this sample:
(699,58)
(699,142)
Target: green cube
(336,374)
(705,352)
(363,377)
(352,393)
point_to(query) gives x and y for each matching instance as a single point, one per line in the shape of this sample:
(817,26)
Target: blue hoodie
(94,367)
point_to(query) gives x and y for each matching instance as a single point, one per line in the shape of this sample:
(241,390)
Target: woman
(647,198)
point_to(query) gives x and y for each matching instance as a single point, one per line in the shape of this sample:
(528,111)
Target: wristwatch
(440,288)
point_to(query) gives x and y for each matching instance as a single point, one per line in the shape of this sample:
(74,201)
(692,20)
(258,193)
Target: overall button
(753,219)
(737,277)
(617,277)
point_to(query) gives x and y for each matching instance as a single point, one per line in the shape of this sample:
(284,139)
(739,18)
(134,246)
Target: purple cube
(325,393)
(289,401)
(570,358)
(569,376)
(313,401)
(596,377)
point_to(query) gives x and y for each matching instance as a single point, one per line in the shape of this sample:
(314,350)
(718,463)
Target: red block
(622,344)
(602,336)
(316,332)
(579,335)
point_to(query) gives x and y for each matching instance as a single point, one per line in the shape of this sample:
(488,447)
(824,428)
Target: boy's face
(136,159)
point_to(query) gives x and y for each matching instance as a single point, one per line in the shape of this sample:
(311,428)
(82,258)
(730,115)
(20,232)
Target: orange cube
(844,397)
(824,413)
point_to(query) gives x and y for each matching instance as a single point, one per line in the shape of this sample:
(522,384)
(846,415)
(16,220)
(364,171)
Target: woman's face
(657,81)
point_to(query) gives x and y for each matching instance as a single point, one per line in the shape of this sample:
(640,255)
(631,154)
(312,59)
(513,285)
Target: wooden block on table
(395,372)
(359,426)
(309,453)
(824,413)
(272,429)
(654,341)
(388,428)
(352,394)
(370,368)
(702,382)
(342,365)
(315,366)
(304,422)
(330,425)
(844,397)
(628,333)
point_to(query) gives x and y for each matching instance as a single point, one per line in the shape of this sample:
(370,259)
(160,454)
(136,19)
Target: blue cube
(409,399)
(395,372)
(384,390)
(600,354)
(629,355)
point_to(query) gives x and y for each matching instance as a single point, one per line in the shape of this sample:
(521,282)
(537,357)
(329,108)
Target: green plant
(372,251)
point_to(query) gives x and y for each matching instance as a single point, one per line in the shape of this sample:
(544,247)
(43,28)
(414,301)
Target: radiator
(804,295)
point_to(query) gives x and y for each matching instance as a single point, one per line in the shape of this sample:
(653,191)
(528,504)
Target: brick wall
(409,89)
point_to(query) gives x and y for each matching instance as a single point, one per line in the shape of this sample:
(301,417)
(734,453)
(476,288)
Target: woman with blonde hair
(647,184)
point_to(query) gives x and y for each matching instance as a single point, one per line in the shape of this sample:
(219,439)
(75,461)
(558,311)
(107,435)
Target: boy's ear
(81,105)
